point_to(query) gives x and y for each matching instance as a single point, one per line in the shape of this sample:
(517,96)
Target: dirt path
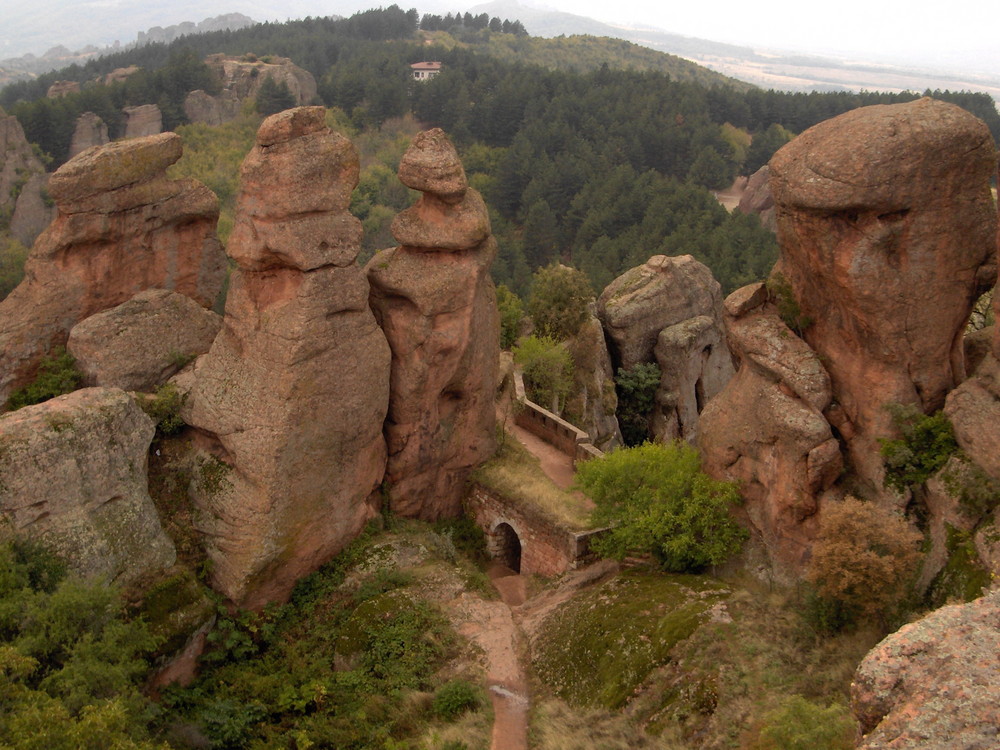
(556,464)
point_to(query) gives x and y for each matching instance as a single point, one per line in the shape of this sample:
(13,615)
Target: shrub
(511,312)
(164,409)
(558,301)
(548,370)
(862,557)
(658,501)
(789,309)
(801,725)
(454,698)
(927,443)
(57,375)
(636,398)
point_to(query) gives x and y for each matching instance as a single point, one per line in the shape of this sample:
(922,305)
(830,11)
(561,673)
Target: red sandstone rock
(90,131)
(291,398)
(884,219)
(121,227)
(144,120)
(436,303)
(935,683)
(757,198)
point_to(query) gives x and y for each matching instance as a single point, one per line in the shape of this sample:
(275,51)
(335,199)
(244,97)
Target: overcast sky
(915,30)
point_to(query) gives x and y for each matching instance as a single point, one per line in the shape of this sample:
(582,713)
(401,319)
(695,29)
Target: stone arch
(505,545)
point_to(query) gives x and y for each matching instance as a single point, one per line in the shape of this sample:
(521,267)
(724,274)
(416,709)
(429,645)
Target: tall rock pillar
(291,399)
(434,299)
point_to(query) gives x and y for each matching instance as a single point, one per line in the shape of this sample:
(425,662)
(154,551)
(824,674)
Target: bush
(789,310)
(57,375)
(511,312)
(548,371)
(927,443)
(862,557)
(636,398)
(453,699)
(164,409)
(801,725)
(658,501)
(558,301)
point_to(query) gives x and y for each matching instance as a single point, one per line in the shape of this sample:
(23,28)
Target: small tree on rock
(558,301)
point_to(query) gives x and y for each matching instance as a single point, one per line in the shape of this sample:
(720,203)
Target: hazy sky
(958,30)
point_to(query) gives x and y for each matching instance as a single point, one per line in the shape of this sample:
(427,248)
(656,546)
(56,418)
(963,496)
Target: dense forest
(600,160)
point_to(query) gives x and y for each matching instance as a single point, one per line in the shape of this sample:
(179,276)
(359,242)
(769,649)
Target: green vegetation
(963,577)
(511,314)
(799,724)
(454,698)
(658,501)
(164,409)
(57,374)
(863,558)
(636,390)
(927,443)
(548,371)
(12,257)
(558,301)
(789,310)
(274,96)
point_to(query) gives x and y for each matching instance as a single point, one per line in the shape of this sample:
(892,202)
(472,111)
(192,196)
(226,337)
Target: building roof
(426,66)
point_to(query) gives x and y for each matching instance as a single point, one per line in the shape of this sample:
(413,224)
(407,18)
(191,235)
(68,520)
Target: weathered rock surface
(139,344)
(766,429)
(60,89)
(884,220)
(146,119)
(669,310)
(291,398)
(974,411)
(434,299)
(200,106)
(90,131)
(935,683)
(74,477)
(757,198)
(591,405)
(33,211)
(17,162)
(121,227)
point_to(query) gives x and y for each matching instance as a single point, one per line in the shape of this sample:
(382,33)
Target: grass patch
(517,475)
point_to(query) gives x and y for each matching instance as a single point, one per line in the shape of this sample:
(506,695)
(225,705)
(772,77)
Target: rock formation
(60,89)
(669,310)
(935,683)
(434,299)
(33,211)
(880,211)
(139,344)
(767,431)
(291,398)
(121,227)
(200,106)
(18,163)
(90,131)
(592,403)
(757,198)
(74,477)
(144,120)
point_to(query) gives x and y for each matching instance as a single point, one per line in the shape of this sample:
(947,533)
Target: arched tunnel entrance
(506,546)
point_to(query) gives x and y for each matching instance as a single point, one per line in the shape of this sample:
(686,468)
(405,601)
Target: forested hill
(585,150)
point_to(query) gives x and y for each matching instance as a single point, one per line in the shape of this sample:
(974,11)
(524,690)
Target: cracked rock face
(884,219)
(291,398)
(434,299)
(121,227)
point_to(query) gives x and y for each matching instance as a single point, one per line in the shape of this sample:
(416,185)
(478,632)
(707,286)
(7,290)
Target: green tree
(763,146)
(511,312)
(274,96)
(636,390)
(656,500)
(548,370)
(558,301)
(12,257)
(925,445)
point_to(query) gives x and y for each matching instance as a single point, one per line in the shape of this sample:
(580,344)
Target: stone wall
(552,428)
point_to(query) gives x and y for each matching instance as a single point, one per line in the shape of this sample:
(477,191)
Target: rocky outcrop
(879,211)
(592,403)
(291,398)
(200,106)
(74,478)
(241,79)
(33,211)
(18,163)
(144,120)
(90,131)
(121,227)
(60,89)
(434,299)
(766,429)
(935,683)
(757,198)
(139,344)
(669,310)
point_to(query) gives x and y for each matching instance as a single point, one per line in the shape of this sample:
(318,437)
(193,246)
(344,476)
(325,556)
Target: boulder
(592,403)
(74,478)
(121,227)
(33,211)
(146,119)
(878,211)
(141,343)
(669,310)
(290,401)
(437,305)
(757,198)
(974,411)
(766,430)
(90,131)
(935,683)
(200,106)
